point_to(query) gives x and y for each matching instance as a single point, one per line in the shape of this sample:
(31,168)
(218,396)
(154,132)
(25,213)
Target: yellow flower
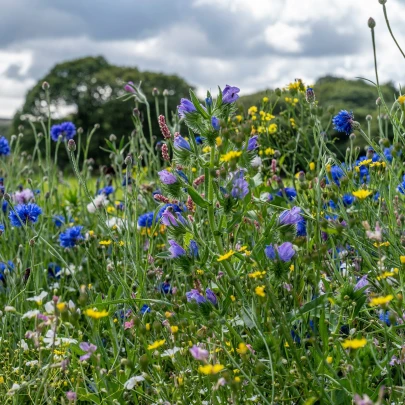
(402,259)
(225,256)
(180,380)
(121,243)
(312,166)
(200,272)
(269,151)
(218,141)
(381,300)
(354,344)
(386,274)
(252,110)
(206,149)
(242,348)
(1,379)
(259,290)
(168,314)
(329,359)
(272,128)
(91,233)
(147,327)
(380,244)
(233,298)
(257,274)
(110,210)
(193,169)
(174,329)
(292,267)
(105,242)
(61,306)
(401,100)
(239,118)
(210,369)
(96,314)
(156,344)
(233,154)
(265,99)
(361,194)
(237,379)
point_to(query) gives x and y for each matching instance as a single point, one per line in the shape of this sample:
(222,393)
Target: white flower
(49,307)
(31,363)
(23,345)
(170,352)
(52,339)
(71,269)
(31,314)
(9,308)
(130,384)
(98,202)
(38,298)
(13,389)
(115,222)
(256,162)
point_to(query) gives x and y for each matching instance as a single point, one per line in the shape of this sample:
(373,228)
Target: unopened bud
(32,242)
(277,91)
(369,117)
(71,145)
(378,101)
(96,126)
(382,1)
(136,112)
(128,160)
(352,136)
(112,138)
(7,197)
(155,92)
(165,92)
(371,23)
(45,86)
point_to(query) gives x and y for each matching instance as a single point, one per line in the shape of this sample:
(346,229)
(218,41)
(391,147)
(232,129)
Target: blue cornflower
(215,123)
(290,192)
(145,308)
(146,220)
(67,130)
(4,146)
(198,140)
(24,213)
(165,288)
(348,199)
(3,266)
(343,122)
(106,190)
(58,220)
(4,206)
(71,237)
(336,173)
(1,229)
(54,270)
(301,228)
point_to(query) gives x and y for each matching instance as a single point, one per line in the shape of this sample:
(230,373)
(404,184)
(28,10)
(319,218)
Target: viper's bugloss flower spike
(344,122)
(290,217)
(175,249)
(215,123)
(310,95)
(180,142)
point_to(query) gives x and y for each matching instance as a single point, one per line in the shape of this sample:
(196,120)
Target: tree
(86,91)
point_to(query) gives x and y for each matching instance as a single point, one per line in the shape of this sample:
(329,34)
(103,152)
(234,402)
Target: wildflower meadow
(234,258)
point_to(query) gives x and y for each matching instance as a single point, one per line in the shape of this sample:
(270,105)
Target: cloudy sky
(253,44)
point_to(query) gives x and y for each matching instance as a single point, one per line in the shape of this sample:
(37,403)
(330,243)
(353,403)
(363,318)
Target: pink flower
(23,196)
(198,353)
(89,348)
(71,396)
(129,325)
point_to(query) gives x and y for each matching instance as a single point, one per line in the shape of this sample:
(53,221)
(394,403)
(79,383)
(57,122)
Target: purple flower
(230,94)
(215,123)
(169,219)
(181,143)
(185,107)
(286,251)
(23,196)
(194,295)
(240,188)
(193,247)
(363,282)
(175,249)
(167,177)
(198,353)
(270,252)
(71,396)
(290,217)
(89,348)
(252,143)
(211,297)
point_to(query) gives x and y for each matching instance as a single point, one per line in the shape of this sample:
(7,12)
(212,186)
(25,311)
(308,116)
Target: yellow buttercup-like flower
(361,194)
(259,290)
(381,300)
(105,242)
(354,343)
(156,344)
(401,100)
(96,314)
(242,348)
(226,256)
(233,154)
(210,369)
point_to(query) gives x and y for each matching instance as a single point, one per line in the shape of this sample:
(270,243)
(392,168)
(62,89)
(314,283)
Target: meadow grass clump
(239,260)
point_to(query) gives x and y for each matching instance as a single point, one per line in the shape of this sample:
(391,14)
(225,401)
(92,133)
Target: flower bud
(71,145)
(45,86)
(378,101)
(155,92)
(165,93)
(128,160)
(277,91)
(112,138)
(382,1)
(371,23)
(369,117)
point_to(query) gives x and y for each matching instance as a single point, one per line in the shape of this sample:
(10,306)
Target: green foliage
(89,89)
